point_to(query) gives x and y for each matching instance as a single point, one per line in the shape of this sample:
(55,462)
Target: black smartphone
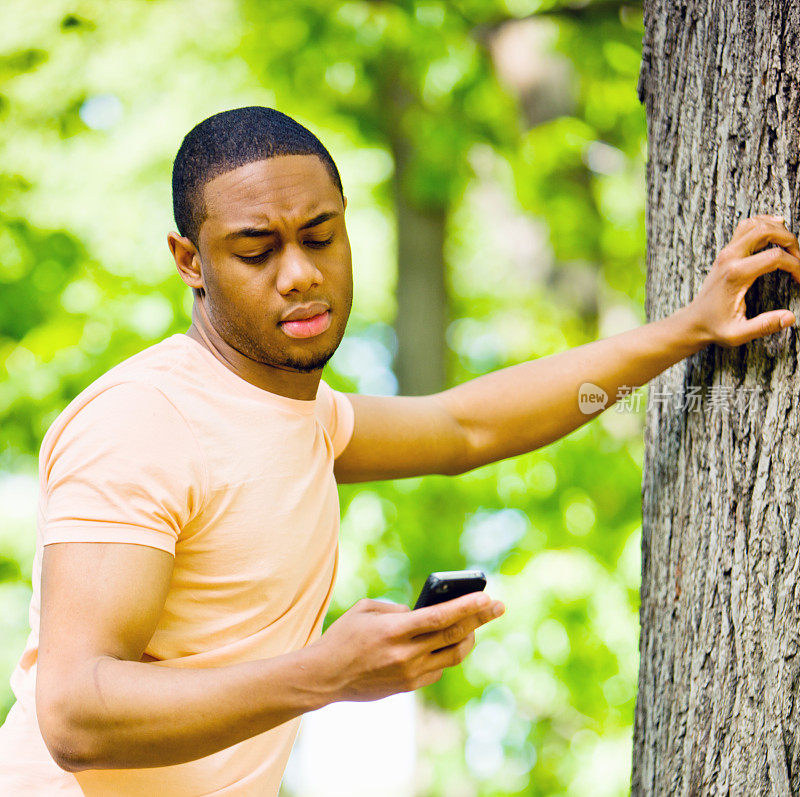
(449,584)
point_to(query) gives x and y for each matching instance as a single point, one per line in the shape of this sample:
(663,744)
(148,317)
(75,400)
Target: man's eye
(319,244)
(255,258)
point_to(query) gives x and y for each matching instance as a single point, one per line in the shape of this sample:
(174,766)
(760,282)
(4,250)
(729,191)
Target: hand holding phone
(376,648)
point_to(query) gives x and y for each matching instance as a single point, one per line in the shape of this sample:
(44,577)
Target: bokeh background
(492,152)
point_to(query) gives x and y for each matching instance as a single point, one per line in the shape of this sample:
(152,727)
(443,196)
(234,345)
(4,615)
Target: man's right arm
(100,707)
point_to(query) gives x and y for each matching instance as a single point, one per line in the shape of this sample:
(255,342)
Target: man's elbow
(67,761)
(470,451)
(455,467)
(68,755)
(68,746)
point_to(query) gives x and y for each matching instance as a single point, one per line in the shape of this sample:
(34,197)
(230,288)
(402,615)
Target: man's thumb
(766,324)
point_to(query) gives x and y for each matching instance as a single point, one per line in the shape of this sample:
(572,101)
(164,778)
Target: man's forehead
(295,185)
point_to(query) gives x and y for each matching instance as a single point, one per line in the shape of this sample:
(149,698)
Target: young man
(187,536)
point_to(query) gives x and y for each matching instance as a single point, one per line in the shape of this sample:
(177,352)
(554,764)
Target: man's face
(273,244)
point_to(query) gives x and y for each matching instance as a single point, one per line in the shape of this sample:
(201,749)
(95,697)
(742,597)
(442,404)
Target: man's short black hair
(228,140)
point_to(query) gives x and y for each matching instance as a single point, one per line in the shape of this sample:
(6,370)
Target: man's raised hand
(376,649)
(719,308)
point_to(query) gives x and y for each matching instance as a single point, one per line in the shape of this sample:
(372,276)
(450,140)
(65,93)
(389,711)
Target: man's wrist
(318,677)
(692,330)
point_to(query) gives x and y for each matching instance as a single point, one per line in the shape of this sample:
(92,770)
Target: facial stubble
(242,339)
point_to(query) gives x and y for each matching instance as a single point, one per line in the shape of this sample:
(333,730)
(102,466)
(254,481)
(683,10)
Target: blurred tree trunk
(717,711)
(422,304)
(422,308)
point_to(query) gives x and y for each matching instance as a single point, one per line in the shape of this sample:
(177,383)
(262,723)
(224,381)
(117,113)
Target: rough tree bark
(720,615)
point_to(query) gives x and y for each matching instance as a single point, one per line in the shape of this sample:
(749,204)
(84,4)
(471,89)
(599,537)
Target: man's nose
(297,271)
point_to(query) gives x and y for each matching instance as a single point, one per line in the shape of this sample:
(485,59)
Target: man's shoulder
(134,387)
(155,365)
(122,444)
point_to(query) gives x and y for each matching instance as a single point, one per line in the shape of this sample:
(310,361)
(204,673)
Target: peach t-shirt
(172,450)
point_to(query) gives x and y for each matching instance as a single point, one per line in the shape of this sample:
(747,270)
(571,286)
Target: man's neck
(283,382)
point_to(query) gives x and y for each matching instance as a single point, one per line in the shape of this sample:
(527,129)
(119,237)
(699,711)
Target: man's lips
(307,327)
(304,311)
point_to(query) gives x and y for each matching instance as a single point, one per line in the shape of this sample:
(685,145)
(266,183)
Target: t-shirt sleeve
(125,467)
(336,414)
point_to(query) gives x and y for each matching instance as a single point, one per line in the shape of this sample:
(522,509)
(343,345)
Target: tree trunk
(720,614)
(422,306)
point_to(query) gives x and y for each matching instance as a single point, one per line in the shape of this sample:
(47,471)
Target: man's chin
(305,363)
(287,354)
(297,358)
(304,368)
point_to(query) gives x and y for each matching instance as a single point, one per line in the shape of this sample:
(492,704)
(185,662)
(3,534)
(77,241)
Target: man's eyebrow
(250,232)
(321,219)
(265,232)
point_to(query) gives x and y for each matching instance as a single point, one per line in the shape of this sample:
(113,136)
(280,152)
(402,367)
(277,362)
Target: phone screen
(448,584)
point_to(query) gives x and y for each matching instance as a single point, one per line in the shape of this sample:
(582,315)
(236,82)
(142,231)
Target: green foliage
(407,75)
(85,281)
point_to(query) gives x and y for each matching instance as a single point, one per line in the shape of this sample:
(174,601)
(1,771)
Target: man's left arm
(521,408)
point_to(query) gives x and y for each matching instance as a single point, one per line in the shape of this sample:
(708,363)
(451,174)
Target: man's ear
(187,259)
(344,201)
